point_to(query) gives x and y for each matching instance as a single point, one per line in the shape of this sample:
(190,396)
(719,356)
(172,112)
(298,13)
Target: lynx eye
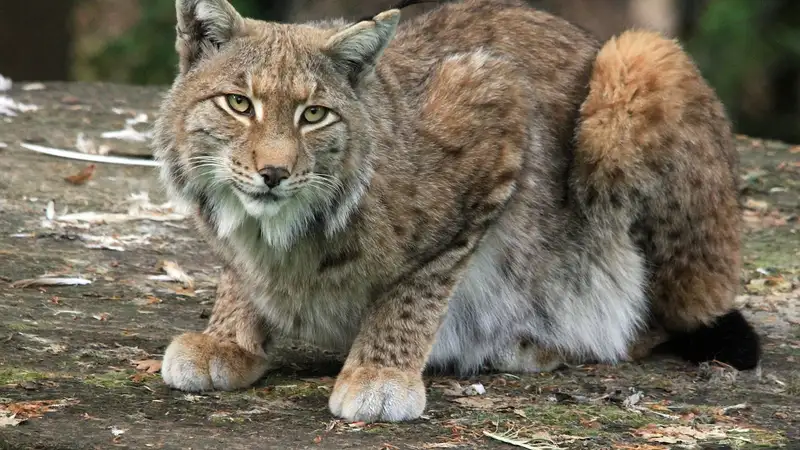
(239,103)
(314,114)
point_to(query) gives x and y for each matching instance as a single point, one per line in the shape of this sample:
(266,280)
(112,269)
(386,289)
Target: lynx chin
(483,187)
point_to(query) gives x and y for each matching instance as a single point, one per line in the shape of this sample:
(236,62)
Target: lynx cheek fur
(482,187)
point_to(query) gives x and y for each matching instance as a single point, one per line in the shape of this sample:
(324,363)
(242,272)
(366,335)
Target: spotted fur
(494,189)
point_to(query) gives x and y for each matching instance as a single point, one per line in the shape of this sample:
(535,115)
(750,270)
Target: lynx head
(267,123)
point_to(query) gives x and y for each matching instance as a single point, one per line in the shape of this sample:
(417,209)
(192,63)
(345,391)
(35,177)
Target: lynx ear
(203,26)
(357,48)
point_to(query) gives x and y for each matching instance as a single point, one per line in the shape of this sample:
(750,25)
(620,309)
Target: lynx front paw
(373,394)
(198,362)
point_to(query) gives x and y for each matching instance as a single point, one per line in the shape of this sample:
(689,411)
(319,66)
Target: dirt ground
(67,373)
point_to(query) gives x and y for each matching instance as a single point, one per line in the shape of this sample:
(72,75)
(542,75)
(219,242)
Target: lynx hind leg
(228,355)
(647,343)
(654,143)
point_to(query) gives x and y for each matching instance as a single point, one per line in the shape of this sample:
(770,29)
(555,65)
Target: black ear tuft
(357,48)
(203,26)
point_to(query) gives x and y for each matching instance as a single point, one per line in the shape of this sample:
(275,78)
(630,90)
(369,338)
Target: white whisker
(323,186)
(213,167)
(333,184)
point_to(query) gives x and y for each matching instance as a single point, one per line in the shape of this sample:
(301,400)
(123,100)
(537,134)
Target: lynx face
(270,139)
(269,124)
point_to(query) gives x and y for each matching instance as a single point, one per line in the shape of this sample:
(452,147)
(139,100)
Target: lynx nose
(273,175)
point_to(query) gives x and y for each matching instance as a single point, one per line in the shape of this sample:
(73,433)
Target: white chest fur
(596,318)
(286,284)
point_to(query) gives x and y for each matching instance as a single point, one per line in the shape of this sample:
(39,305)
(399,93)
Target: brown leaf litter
(15,413)
(140,209)
(174,272)
(83,176)
(148,365)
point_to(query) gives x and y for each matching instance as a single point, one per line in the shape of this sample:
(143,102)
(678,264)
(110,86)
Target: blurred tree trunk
(35,39)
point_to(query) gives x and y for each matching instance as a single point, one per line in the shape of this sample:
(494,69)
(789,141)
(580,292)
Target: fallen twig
(775,380)
(47,281)
(70,154)
(524,443)
(657,413)
(727,409)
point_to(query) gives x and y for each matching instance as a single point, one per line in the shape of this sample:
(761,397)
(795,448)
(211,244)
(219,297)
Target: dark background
(749,50)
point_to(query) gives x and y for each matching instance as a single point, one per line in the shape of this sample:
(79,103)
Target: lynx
(483,187)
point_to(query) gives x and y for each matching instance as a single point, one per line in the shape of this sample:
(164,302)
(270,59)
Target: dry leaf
(28,410)
(139,377)
(8,419)
(5,83)
(149,365)
(672,440)
(172,269)
(757,205)
(632,399)
(9,107)
(474,389)
(530,444)
(33,87)
(185,292)
(116,243)
(592,424)
(107,218)
(89,147)
(639,447)
(681,434)
(140,209)
(50,210)
(476,402)
(453,389)
(83,176)
(128,133)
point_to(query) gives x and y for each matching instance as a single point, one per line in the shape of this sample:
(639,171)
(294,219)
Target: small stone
(70,100)
(33,87)
(475,389)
